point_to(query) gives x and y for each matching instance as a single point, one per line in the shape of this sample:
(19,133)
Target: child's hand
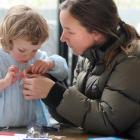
(11,77)
(40,67)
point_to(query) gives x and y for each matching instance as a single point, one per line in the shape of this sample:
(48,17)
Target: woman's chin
(76,52)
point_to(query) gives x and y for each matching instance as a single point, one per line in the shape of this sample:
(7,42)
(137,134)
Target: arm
(54,65)
(60,69)
(3,84)
(35,88)
(40,67)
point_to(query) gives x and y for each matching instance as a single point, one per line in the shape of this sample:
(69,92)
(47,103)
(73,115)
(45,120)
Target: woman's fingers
(28,95)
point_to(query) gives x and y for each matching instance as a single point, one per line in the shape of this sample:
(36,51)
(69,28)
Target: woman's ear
(98,37)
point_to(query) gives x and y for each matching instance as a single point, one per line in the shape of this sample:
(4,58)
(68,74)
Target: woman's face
(74,34)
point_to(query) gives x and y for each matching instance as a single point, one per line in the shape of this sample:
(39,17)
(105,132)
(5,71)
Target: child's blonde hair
(22,22)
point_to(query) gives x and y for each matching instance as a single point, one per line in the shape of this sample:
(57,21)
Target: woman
(105,92)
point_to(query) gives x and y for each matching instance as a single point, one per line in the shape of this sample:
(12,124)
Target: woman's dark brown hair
(102,16)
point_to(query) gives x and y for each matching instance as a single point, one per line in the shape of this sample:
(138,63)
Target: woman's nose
(62,38)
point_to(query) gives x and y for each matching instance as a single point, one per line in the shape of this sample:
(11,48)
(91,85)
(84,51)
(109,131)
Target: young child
(22,33)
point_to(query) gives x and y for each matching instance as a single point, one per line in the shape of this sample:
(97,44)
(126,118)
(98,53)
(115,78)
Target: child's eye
(34,50)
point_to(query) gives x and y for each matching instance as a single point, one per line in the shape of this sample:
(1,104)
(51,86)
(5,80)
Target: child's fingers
(14,68)
(29,69)
(10,77)
(43,69)
(40,68)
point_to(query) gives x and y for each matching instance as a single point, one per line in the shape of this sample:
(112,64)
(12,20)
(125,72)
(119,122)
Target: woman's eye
(72,33)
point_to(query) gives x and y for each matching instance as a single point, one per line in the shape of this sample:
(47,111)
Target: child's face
(23,50)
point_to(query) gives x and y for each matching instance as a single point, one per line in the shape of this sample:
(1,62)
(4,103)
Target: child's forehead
(22,40)
(24,43)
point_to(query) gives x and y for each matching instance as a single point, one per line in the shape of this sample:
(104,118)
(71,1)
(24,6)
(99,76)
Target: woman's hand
(36,87)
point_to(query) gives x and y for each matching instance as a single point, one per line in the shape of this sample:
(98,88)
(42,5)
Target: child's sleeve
(60,70)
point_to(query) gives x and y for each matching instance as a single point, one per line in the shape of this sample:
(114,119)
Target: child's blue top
(14,109)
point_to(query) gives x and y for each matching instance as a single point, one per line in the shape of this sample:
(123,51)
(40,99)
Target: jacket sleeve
(114,112)
(53,100)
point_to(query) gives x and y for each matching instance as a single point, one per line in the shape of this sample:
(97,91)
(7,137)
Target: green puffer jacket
(105,100)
